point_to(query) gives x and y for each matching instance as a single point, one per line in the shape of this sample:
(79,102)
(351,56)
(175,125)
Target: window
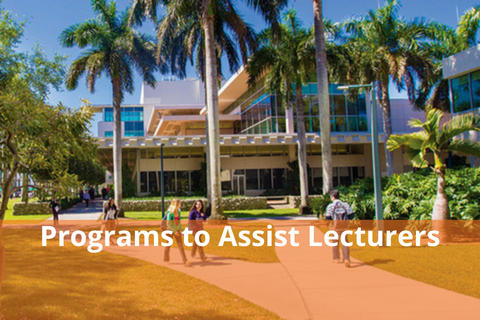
(252,179)
(143,182)
(461,94)
(265,179)
(152,181)
(476,89)
(108,134)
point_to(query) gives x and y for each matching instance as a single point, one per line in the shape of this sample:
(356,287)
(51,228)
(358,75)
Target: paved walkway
(80,212)
(305,284)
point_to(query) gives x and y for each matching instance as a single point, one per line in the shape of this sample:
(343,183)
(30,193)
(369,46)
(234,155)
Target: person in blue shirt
(195,224)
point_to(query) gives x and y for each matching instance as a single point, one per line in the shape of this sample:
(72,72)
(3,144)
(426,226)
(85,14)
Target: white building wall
(186,92)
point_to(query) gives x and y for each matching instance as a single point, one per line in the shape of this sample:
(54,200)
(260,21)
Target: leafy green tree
(435,139)
(207,12)
(88,170)
(34,136)
(287,63)
(114,49)
(387,48)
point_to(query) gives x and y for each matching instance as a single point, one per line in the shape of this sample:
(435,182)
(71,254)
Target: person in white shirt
(339,212)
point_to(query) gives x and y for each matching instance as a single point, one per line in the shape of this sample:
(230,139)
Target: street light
(377,183)
(162,188)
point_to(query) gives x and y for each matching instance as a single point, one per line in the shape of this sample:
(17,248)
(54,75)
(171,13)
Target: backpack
(339,212)
(339,217)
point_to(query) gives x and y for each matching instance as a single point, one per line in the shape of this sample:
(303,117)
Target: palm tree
(446,41)
(114,48)
(323,97)
(386,49)
(287,62)
(207,12)
(436,139)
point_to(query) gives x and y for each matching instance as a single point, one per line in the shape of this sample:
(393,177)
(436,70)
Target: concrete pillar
(137,167)
(367,153)
(292,153)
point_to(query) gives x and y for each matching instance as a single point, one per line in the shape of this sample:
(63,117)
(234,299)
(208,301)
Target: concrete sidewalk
(307,285)
(81,212)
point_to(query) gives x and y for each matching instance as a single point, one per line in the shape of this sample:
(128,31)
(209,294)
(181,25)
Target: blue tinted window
(108,134)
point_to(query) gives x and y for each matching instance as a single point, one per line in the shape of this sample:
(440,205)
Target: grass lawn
(258,213)
(70,283)
(9,214)
(452,267)
(263,254)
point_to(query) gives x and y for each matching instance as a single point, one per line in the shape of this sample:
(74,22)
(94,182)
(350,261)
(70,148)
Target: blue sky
(48,18)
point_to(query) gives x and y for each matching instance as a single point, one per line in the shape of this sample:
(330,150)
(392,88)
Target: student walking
(110,220)
(86,197)
(174,225)
(195,224)
(91,192)
(339,212)
(55,210)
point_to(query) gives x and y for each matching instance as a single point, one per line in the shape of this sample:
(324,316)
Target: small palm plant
(436,139)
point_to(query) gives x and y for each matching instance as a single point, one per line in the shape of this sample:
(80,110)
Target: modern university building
(463,73)
(257,136)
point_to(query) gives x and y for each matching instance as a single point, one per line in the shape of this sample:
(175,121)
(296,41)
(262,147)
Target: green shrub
(412,195)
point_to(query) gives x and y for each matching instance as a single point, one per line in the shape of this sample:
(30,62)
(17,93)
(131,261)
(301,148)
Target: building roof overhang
(236,140)
(461,63)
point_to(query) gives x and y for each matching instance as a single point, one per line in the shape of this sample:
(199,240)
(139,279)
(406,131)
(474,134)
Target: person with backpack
(339,212)
(55,210)
(109,220)
(173,224)
(195,224)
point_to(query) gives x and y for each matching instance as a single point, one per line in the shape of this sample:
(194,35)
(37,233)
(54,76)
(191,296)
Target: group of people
(172,222)
(88,196)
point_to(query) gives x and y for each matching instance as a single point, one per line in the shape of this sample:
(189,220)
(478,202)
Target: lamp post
(162,187)
(375,155)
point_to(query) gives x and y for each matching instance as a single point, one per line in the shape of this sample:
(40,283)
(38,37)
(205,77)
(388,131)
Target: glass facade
(132,117)
(263,113)
(465,92)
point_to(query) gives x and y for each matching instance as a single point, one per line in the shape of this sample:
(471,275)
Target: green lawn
(70,283)
(9,214)
(259,213)
(452,267)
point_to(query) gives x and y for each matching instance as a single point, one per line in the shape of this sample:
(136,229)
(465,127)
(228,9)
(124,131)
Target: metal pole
(162,187)
(375,155)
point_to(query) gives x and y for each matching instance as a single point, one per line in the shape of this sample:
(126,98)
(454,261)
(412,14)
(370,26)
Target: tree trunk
(387,126)
(25,188)
(213,142)
(441,211)
(302,150)
(117,144)
(323,97)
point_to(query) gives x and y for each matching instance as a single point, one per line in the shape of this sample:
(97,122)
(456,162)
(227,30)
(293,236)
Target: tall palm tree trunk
(387,126)
(440,208)
(323,97)
(117,144)
(302,150)
(213,142)
(441,211)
